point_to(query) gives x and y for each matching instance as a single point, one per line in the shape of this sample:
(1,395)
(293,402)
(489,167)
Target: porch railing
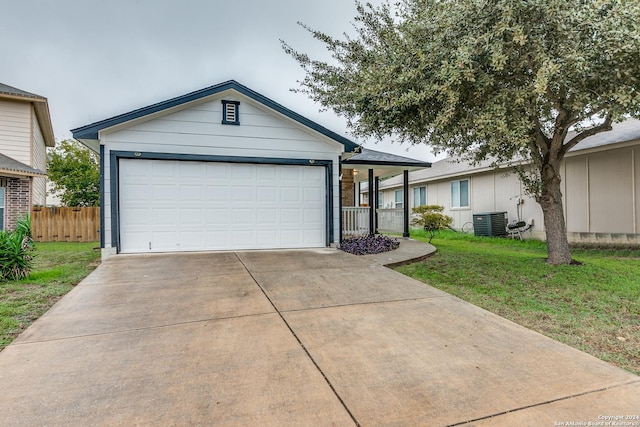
(355,221)
(391,220)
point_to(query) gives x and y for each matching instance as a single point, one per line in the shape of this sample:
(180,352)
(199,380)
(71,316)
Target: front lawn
(57,269)
(594,307)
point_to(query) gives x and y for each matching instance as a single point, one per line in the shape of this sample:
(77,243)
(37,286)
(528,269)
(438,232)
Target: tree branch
(605,126)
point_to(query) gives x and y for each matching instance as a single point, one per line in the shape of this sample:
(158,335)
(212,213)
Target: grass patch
(58,267)
(594,307)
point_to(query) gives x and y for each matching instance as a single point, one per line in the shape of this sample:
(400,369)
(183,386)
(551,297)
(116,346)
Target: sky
(94,59)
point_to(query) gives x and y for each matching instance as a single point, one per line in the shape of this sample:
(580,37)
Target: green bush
(16,251)
(431,219)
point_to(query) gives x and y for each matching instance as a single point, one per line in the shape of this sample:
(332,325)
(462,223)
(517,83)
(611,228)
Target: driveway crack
(335,392)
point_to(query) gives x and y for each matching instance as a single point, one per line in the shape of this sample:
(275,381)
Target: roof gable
(90,131)
(41,107)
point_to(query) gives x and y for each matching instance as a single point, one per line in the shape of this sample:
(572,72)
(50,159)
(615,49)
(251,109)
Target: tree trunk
(551,202)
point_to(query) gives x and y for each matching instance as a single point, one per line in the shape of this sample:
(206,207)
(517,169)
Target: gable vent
(230,113)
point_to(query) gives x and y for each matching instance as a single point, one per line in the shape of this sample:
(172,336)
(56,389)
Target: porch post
(372,216)
(405,192)
(377,202)
(340,215)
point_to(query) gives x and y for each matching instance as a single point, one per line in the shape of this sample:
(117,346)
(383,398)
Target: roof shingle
(10,165)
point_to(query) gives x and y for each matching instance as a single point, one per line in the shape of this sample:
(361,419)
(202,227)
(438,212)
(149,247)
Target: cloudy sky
(94,59)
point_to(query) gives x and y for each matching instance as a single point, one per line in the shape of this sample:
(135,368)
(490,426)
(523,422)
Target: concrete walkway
(291,338)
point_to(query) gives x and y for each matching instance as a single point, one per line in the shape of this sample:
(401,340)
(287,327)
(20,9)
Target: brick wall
(348,198)
(17,200)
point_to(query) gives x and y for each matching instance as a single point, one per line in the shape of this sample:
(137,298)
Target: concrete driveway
(291,338)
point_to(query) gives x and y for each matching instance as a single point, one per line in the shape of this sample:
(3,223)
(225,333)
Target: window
(380,199)
(460,194)
(2,191)
(419,196)
(230,113)
(399,199)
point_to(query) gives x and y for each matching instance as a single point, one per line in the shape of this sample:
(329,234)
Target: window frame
(380,200)
(457,204)
(225,112)
(395,199)
(422,196)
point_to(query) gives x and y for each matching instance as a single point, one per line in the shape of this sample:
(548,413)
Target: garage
(220,168)
(176,205)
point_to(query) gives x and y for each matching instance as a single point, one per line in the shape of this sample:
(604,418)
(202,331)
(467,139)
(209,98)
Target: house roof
(367,156)
(11,167)
(10,90)
(629,130)
(40,104)
(90,131)
(382,164)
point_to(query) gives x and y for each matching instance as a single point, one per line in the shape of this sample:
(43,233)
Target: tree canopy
(478,79)
(74,171)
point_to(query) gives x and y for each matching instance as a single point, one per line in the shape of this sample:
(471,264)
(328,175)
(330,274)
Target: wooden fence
(65,224)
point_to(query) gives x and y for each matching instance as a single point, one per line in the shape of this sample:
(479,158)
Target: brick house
(25,132)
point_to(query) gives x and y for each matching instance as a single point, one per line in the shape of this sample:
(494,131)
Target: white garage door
(167,206)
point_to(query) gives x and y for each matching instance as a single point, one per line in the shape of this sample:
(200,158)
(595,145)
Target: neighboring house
(25,132)
(600,185)
(222,168)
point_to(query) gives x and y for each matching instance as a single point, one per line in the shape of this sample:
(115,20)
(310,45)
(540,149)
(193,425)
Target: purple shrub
(369,245)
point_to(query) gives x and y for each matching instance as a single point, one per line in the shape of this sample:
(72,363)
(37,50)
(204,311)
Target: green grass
(58,268)
(594,307)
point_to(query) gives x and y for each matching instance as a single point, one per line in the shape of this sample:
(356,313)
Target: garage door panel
(266,194)
(218,217)
(242,172)
(193,193)
(267,217)
(218,239)
(242,216)
(266,172)
(191,206)
(217,193)
(137,241)
(290,175)
(163,169)
(164,241)
(195,170)
(191,217)
(290,195)
(160,216)
(161,191)
(243,193)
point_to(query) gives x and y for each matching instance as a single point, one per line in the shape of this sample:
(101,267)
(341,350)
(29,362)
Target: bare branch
(605,126)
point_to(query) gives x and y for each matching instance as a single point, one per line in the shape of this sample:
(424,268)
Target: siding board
(610,190)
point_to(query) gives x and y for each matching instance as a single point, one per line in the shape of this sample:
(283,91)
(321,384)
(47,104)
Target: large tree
(478,79)
(75,173)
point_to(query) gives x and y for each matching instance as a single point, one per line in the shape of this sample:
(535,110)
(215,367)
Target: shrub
(16,251)
(369,245)
(431,219)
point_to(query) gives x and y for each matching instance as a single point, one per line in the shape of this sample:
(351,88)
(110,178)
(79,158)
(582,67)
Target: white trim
(460,206)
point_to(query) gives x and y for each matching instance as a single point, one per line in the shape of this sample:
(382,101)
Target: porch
(361,172)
